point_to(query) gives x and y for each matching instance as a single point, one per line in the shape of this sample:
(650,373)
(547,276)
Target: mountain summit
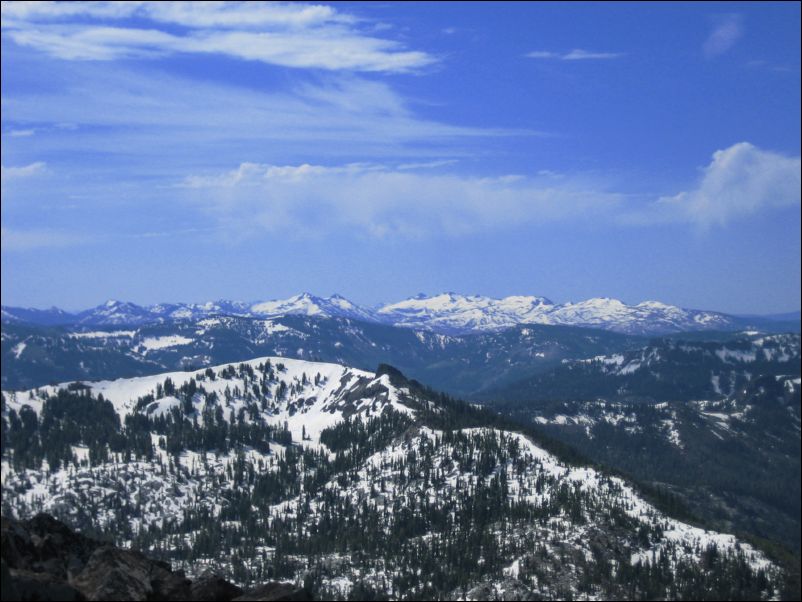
(449,312)
(307,304)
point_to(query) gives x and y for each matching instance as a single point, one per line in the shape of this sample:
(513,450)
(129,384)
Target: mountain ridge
(445,313)
(366,476)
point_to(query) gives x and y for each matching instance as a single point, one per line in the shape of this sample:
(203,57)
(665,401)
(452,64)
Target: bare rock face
(43,559)
(44,545)
(275,591)
(115,574)
(19,584)
(213,587)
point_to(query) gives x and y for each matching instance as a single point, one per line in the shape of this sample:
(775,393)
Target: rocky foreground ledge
(43,559)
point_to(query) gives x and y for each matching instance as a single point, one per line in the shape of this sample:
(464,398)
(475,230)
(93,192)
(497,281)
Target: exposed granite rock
(19,584)
(115,574)
(44,545)
(213,587)
(43,559)
(275,591)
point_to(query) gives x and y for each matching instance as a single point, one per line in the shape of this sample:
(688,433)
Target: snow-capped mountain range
(449,313)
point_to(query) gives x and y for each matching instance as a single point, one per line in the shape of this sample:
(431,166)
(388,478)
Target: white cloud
(415,201)
(740,181)
(581,55)
(187,14)
(577,54)
(285,34)
(339,115)
(726,32)
(27,240)
(385,201)
(24,171)
(543,54)
(21,133)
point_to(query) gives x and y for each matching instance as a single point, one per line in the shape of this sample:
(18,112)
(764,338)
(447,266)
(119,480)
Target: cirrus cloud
(577,54)
(22,171)
(727,31)
(286,34)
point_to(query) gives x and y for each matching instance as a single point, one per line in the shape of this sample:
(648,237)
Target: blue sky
(172,152)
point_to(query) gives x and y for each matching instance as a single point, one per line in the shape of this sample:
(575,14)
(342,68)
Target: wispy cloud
(28,240)
(576,54)
(726,32)
(285,34)
(187,14)
(770,66)
(23,171)
(21,133)
(117,110)
(391,201)
(741,180)
(385,201)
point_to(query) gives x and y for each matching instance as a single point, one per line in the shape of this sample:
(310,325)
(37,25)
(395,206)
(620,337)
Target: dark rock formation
(19,584)
(275,591)
(213,587)
(115,574)
(43,559)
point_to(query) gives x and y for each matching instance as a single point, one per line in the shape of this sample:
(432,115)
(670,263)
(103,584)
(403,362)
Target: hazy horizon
(381,303)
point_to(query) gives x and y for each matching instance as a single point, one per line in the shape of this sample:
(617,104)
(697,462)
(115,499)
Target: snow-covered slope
(114,313)
(451,312)
(308,396)
(45,317)
(649,317)
(405,470)
(458,313)
(194,311)
(446,313)
(394,472)
(306,304)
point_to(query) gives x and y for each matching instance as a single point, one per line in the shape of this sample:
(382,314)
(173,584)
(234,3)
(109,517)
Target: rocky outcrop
(275,592)
(115,574)
(19,584)
(44,545)
(213,587)
(43,559)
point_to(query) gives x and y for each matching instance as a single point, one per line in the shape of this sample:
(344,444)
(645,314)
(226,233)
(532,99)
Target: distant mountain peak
(445,312)
(450,312)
